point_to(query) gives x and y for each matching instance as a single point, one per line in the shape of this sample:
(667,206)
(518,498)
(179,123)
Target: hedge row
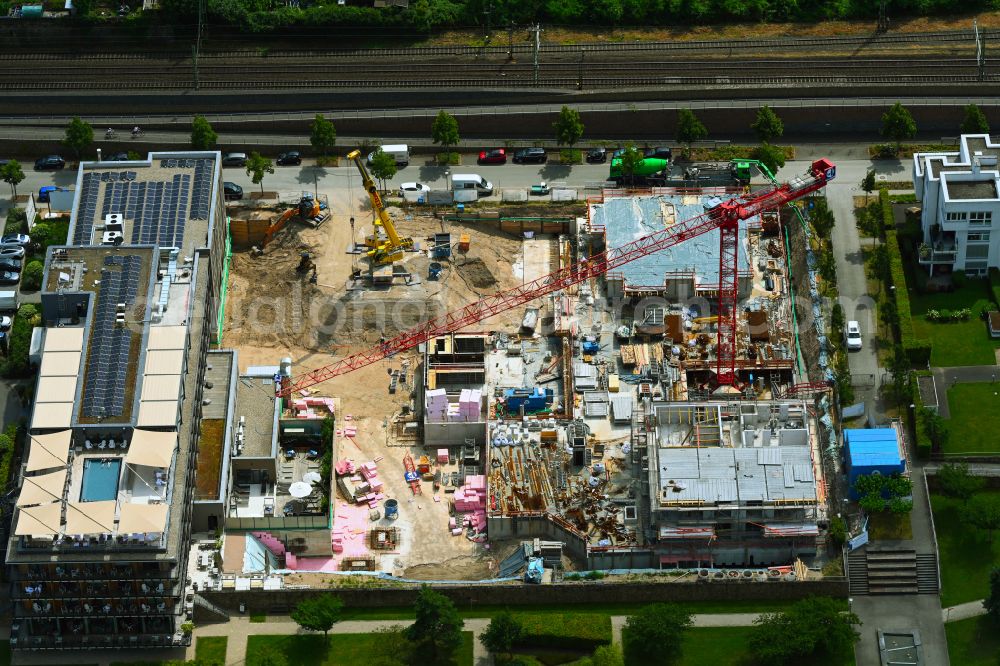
(995,285)
(917,350)
(583,631)
(921,438)
(19,343)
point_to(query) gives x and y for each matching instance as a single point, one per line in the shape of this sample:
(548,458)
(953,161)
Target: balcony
(940,251)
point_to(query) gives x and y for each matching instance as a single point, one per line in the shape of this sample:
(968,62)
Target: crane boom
(383,252)
(726,217)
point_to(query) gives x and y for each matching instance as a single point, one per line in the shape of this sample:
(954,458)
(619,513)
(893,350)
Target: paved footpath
(963,611)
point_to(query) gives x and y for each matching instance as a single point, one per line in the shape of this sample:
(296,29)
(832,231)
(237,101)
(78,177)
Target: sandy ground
(273,312)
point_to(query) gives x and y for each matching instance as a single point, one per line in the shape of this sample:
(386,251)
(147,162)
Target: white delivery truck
(8,300)
(399,151)
(465,183)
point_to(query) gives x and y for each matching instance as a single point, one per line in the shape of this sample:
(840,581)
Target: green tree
(768,126)
(838,531)
(880,263)
(898,125)
(568,127)
(935,426)
(689,129)
(821,218)
(444,130)
(975,121)
(322,134)
(318,613)
(655,634)
(12,174)
(31,277)
(868,183)
(203,137)
(811,628)
(382,166)
(899,368)
(437,631)
(502,633)
(79,136)
(983,513)
(630,162)
(770,156)
(257,166)
(992,601)
(956,482)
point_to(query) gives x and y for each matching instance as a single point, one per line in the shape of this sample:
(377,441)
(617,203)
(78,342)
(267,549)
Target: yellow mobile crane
(386,245)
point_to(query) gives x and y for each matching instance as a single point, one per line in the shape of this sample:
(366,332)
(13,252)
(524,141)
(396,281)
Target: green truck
(650,170)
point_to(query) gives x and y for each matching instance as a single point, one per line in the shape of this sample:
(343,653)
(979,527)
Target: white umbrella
(300,489)
(312,477)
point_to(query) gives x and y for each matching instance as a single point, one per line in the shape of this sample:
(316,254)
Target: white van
(8,300)
(471,182)
(400,152)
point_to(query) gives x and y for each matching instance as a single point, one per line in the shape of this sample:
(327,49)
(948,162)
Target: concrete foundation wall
(466,596)
(453,434)
(530,527)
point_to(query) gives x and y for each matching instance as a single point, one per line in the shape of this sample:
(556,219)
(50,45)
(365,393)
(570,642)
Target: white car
(5,322)
(11,252)
(853,335)
(414,189)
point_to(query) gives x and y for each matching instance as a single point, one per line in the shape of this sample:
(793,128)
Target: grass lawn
(726,646)
(975,418)
(346,649)
(728,606)
(211,648)
(889,526)
(966,558)
(4,653)
(957,343)
(973,642)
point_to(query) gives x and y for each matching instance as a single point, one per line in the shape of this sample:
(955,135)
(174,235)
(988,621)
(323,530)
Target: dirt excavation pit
(476,273)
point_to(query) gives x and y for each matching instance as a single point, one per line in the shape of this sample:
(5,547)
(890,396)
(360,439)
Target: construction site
(591,383)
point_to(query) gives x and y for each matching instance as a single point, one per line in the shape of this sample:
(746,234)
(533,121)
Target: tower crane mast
(725,217)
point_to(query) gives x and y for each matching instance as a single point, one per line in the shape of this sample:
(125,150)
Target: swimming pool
(100,479)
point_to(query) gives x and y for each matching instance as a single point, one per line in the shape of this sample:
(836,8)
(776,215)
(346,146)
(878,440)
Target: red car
(495,156)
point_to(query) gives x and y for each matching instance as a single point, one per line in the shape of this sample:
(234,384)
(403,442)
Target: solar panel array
(88,208)
(158,209)
(108,359)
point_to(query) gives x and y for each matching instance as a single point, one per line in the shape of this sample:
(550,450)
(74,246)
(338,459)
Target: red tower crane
(725,217)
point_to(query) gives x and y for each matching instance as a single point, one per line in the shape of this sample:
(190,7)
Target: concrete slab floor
(889,612)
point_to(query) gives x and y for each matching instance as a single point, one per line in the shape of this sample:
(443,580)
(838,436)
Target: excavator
(385,245)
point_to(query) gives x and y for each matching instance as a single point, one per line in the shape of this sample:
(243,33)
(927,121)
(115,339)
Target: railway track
(835,61)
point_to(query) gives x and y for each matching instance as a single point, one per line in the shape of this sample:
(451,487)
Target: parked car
(54,162)
(853,335)
(291,158)
(232,191)
(15,239)
(9,277)
(530,156)
(5,322)
(495,156)
(11,252)
(234,159)
(117,157)
(660,153)
(10,265)
(417,188)
(597,156)
(43,192)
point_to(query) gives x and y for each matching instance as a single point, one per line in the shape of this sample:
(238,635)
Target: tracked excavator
(384,245)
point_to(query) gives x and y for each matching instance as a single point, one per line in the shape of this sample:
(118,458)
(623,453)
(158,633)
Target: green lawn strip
(973,642)
(211,648)
(956,343)
(889,526)
(966,558)
(726,646)
(4,653)
(258,617)
(975,417)
(696,607)
(346,649)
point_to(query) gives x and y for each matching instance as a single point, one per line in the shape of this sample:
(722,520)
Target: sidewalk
(963,611)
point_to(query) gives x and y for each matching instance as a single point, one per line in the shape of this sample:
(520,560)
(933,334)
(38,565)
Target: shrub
(452,159)
(31,278)
(838,531)
(959,279)
(17,221)
(17,364)
(570,156)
